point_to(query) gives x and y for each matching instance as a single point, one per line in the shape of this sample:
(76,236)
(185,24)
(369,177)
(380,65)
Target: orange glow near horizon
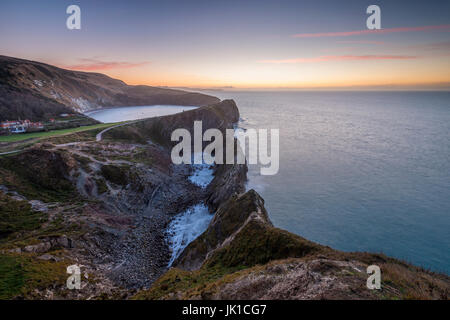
(321,64)
(255,44)
(429,72)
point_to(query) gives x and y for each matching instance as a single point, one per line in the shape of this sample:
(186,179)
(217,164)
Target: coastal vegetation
(23,275)
(17,216)
(258,261)
(52,133)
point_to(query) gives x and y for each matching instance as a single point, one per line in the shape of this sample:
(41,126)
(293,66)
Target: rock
(241,233)
(16,250)
(49,257)
(50,243)
(38,248)
(229,218)
(38,205)
(65,242)
(228,180)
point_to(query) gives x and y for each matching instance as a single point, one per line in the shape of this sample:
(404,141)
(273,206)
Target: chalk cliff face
(38,91)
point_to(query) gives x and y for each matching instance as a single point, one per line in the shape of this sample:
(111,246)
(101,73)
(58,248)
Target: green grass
(52,133)
(115,174)
(12,279)
(190,283)
(22,274)
(101,186)
(17,216)
(83,136)
(258,243)
(38,174)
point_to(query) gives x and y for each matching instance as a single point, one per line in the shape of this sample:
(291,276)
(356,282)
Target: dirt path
(9,152)
(98,137)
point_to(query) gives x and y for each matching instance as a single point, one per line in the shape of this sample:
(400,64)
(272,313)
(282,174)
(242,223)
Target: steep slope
(220,115)
(38,91)
(104,204)
(242,256)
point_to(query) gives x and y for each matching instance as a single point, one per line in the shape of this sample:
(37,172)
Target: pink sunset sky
(256,44)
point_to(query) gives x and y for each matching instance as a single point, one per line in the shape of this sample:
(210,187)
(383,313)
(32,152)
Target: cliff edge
(243,256)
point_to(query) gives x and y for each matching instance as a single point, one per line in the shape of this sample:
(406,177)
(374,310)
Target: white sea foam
(202,175)
(186,227)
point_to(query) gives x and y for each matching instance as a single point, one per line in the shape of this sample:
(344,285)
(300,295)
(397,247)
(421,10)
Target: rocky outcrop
(242,256)
(38,91)
(50,243)
(107,203)
(36,170)
(229,179)
(235,235)
(220,116)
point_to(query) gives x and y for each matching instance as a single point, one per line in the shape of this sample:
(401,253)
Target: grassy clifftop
(220,115)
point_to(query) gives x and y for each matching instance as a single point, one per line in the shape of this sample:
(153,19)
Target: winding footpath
(98,137)
(9,152)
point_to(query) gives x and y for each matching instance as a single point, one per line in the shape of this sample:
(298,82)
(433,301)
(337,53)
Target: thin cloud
(339,58)
(445,27)
(433,46)
(360,42)
(98,65)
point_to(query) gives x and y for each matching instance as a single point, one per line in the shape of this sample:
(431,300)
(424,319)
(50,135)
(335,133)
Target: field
(52,133)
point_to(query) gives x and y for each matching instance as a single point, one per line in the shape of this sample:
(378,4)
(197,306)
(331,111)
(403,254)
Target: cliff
(106,205)
(38,91)
(220,115)
(234,235)
(228,179)
(242,256)
(103,204)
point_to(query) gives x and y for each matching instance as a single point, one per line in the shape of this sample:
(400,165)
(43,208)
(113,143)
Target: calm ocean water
(133,113)
(359,171)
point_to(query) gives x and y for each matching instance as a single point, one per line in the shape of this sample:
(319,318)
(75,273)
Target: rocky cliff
(228,179)
(106,205)
(220,115)
(38,91)
(243,256)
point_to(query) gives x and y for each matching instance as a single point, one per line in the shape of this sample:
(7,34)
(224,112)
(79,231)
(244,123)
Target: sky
(238,44)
